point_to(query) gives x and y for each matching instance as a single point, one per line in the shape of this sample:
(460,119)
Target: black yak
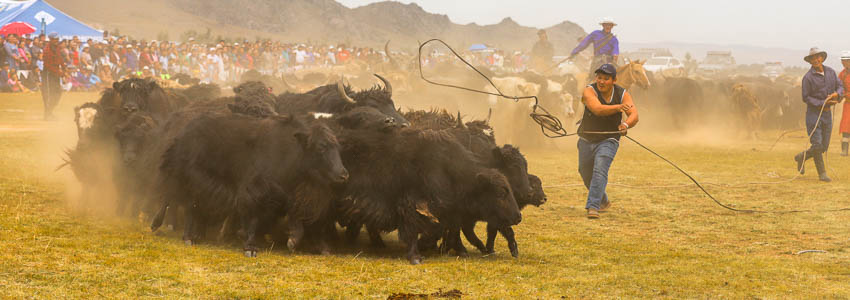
(337,98)
(248,167)
(416,181)
(478,137)
(91,160)
(537,199)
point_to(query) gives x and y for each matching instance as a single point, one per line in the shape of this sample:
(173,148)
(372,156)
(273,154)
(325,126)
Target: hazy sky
(776,23)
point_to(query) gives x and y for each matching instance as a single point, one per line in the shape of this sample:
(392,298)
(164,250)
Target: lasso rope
(551,127)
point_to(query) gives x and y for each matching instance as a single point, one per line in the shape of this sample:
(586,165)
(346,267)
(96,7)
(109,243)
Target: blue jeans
(594,160)
(820,139)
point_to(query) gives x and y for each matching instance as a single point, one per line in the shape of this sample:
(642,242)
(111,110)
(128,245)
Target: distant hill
(323,21)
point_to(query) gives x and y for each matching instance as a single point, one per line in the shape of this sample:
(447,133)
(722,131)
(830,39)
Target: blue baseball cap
(607,69)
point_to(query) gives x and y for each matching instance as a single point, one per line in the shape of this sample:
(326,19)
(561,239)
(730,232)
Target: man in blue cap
(821,90)
(606,47)
(599,134)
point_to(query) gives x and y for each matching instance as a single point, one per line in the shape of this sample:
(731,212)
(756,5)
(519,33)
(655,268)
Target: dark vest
(591,122)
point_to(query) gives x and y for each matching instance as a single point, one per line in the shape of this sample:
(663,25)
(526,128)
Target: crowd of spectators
(92,65)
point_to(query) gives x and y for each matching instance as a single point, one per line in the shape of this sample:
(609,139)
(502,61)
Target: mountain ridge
(317,21)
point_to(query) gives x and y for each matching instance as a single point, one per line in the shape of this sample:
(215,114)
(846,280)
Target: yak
(537,198)
(338,98)
(238,164)
(135,137)
(145,95)
(91,159)
(478,137)
(416,181)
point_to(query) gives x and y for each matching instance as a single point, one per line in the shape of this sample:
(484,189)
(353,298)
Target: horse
(633,73)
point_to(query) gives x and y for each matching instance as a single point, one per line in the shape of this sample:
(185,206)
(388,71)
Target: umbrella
(19,28)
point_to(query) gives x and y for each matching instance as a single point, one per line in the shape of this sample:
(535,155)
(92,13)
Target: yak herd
(244,166)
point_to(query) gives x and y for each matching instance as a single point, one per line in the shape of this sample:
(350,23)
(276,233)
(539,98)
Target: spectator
(15,84)
(86,58)
(11,50)
(4,79)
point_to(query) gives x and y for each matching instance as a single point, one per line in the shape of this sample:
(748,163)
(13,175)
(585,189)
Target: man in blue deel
(821,91)
(606,47)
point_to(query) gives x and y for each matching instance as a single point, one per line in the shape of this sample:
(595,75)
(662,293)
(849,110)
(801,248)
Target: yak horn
(460,122)
(341,89)
(489,114)
(387,84)
(389,56)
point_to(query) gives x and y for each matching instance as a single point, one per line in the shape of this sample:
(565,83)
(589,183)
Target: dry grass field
(662,238)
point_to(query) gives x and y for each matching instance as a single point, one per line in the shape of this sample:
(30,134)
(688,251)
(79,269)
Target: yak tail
(160,216)
(66,161)
(62,165)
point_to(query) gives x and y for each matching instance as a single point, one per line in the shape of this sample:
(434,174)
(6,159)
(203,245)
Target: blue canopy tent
(46,18)
(477,47)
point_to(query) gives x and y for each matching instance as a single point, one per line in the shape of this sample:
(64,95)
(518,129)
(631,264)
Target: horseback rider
(606,47)
(542,52)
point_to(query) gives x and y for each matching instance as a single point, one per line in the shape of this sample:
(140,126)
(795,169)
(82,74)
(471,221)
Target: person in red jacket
(54,69)
(844,78)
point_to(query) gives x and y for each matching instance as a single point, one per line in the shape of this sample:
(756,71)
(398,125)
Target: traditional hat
(845,55)
(607,20)
(814,51)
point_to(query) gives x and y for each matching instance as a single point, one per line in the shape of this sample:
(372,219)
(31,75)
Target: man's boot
(844,147)
(801,167)
(819,164)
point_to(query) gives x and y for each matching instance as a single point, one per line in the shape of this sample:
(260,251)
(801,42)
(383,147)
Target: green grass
(667,242)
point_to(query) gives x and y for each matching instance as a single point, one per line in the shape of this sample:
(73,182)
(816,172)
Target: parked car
(662,63)
(773,70)
(715,62)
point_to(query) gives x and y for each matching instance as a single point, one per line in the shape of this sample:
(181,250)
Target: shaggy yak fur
(478,137)
(135,137)
(248,167)
(146,95)
(253,98)
(91,159)
(327,99)
(537,199)
(418,181)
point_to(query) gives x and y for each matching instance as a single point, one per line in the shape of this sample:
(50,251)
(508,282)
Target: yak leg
(375,238)
(429,241)
(410,237)
(321,235)
(171,215)
(249,224)
(330,232)
(453,239)
(508,233)
(469,232)
(296,232)
(352,231)
(492,231)
(190,229)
